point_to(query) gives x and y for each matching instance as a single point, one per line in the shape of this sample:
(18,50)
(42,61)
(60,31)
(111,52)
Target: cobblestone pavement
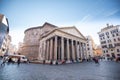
(106,70)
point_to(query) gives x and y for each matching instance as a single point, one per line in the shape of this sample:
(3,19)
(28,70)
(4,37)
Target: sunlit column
(44,50)
(73,51)
(47,55)
(51,48)
(81,50)
(68,50)
(78,56)
(55,49)
(62,47)
(59,52)
(82,54)
(84,49)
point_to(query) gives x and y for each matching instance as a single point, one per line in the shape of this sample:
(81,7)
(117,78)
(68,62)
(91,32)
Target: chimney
(107,25)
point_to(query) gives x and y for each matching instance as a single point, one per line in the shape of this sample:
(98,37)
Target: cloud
(85,18)
(110,13)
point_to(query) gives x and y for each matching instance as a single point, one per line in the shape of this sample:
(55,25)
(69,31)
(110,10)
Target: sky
(89,16)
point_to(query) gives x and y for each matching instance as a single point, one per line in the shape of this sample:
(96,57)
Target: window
(107,55)
(88,48)
(103,38)
(117,44)
(118,39)
(111,32)
(116,34)
(110,46)
(115,40)
(87,44)
(101,35)
(118,50)
(118,54)
(116,30)
(104,46)
(103,42)
(106,51)
(113,35)
(110,40)
(107,36)
(107,33)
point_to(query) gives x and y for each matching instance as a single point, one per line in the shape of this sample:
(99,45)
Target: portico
(59,45)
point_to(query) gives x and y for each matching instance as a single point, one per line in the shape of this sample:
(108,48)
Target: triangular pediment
(72,30)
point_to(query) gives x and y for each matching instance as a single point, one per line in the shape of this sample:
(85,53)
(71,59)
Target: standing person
(10,60)
(89,58)
(95,59)
(18,61)
(3,61)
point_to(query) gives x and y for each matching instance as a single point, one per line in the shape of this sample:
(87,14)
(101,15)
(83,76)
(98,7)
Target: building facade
(12,49)
(6,44)
(98,51)
(64,44)
(30,45)
(49,43)
(110,41)
(4,37)
(90,46)
(20,47)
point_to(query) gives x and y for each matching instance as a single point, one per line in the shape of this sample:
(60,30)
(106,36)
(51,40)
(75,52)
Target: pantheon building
(50,43)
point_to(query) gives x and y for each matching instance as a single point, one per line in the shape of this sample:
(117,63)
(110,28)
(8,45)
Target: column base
(78,60)
(54,62)
(59,62)
(68,61)
(47,61)
(74,61)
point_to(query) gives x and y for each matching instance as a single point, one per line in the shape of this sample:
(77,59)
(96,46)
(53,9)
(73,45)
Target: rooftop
(109,26)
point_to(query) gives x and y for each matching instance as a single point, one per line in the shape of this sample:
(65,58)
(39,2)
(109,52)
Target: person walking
(18,62)
(3,61)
